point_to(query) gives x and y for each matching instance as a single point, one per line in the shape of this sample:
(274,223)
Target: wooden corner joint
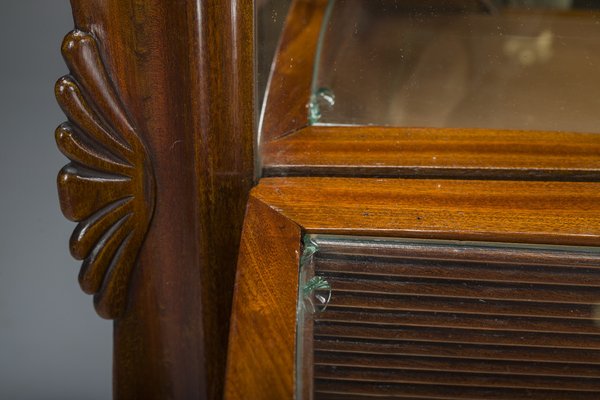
(108,187)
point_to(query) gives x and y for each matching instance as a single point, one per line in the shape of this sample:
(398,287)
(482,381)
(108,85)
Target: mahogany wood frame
(289,145)
(262,344)
(160,102)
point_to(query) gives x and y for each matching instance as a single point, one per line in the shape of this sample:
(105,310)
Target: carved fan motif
(108,187)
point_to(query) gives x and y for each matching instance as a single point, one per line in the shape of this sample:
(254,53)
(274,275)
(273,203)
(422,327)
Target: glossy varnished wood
(584,361)
(181,74)
(462,269)
(329,355)
(378,341)
(290,145)
(402,317)
(174,79)
(457,378)
(263,327)
(353,390)
(109,185)
(434,152)
(499,211)
(285,107)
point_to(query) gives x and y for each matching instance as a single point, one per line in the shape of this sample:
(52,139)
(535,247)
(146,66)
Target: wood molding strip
(564,213)
(361,151)
(430,346)
(263,327)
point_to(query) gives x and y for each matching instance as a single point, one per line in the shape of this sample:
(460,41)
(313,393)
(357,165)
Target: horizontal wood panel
(566,213)
(456,379)
(442,269)
(462,321)
(501,255)
(326,389)
(371,301)
(458,336)
(406,348)
(457,324)
(434,152)
(360,360)
(471,289)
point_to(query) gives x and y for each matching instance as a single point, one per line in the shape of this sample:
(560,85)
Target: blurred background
(52,344)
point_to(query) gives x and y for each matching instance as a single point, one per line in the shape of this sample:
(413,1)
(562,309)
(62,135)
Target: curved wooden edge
(288,90)
(109,185)
(434,153)
(260,362)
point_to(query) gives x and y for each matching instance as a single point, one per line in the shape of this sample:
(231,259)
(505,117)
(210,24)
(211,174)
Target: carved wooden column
(160,103)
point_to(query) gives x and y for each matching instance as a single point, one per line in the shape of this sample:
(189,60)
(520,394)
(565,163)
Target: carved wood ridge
(108,187)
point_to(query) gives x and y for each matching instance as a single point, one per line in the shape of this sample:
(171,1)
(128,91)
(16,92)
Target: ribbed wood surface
(473,322)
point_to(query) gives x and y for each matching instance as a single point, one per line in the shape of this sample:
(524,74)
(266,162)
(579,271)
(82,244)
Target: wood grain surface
(499,211)
(369,339)
(175,80)
(288,91)
(183,73)
(434,153)
(506,316)
(109,185)
(290,146)
(260,363)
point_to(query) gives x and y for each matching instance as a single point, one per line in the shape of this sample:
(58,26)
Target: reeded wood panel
(456,320)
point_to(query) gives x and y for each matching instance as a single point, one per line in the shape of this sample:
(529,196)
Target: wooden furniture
(493,313)
(475,278)
(161,107)
(160,104)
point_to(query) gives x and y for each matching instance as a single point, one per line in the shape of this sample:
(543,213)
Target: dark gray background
(52,344)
